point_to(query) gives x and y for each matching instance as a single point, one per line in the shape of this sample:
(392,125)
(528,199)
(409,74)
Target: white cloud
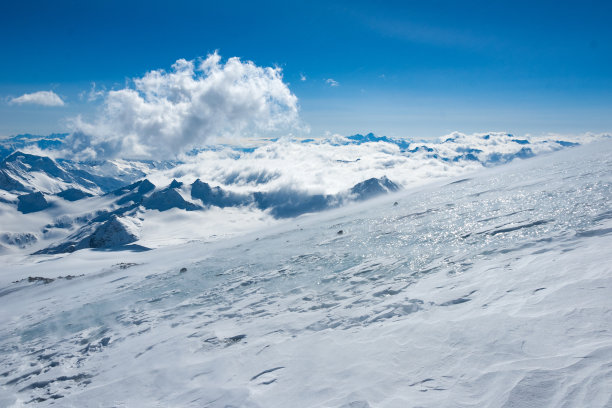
(332,82)
(94,93)
(44,98)
(333,164)
(165,113)
(302,77)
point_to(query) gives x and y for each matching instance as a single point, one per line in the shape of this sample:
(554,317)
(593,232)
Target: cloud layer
(44,98)
(333,165)
(165,113)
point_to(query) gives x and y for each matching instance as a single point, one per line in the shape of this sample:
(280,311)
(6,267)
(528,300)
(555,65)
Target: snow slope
(488,291)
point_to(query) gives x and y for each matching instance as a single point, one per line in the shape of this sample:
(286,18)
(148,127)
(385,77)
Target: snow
(175,227)
(283,178)
(115,232)
(22,240)
(373,187)
(166,199)
(488,290)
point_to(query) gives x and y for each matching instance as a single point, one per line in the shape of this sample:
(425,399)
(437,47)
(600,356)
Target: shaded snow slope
(492,290)
(106,232)
(27,172)
(114,232)
(373,187)
(168,198)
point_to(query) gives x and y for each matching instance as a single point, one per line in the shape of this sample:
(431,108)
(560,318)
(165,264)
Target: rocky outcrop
(291,203)
(33,202)
(134,192)
(8,183)
(18,239)
(373,187)
(288,202)
(114,232)
(175,184)
(217,196)
(166,199)
(73,194)
(139,187)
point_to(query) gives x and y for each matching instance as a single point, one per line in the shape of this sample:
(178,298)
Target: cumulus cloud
(332,82)
(44,98)
(165,113)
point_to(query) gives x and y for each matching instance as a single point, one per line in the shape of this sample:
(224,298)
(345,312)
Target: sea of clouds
(334,164)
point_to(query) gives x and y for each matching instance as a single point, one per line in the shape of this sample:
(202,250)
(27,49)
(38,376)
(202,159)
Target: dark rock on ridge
(33,202)
(73,194)
(373,187)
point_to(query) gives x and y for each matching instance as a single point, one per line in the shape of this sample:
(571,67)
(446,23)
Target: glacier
(485,286)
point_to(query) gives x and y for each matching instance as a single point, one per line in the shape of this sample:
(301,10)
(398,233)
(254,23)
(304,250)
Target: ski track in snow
(490,291)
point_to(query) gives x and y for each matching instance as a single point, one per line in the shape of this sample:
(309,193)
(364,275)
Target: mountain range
(52,206)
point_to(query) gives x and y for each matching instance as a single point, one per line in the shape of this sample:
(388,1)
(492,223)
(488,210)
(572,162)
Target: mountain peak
(175,184)
(25,162)
(372,187)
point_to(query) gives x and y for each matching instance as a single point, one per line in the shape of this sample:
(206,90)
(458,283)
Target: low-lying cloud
(163,114)
(43,98)
(333,165)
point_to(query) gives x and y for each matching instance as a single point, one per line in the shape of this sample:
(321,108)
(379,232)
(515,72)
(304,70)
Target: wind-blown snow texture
(490,290)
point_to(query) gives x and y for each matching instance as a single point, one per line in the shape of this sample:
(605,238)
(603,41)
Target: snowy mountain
(488,288)
(27,172)
(133,203)
(60,202)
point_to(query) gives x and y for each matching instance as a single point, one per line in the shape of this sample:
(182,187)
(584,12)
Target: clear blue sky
(415,69)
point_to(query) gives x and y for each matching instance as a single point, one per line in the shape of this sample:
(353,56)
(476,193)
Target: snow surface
(489,290)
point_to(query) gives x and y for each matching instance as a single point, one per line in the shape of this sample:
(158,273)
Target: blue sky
(404,69)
